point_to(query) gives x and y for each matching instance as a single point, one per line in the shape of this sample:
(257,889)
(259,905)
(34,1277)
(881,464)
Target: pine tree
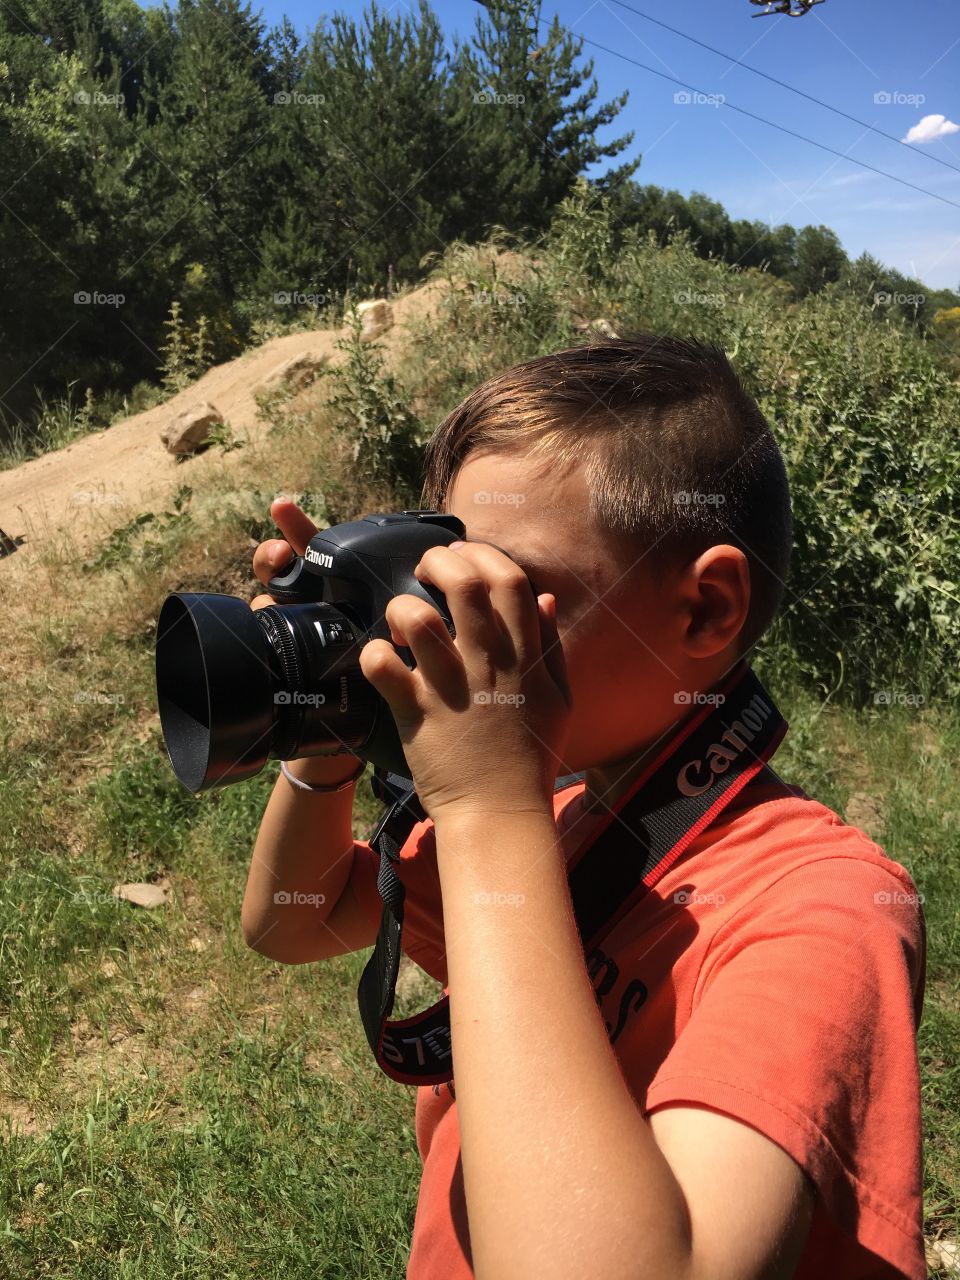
(211,138)
(526,112)
(384,121)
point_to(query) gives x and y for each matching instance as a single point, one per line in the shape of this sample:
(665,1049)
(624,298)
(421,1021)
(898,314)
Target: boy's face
(620,631)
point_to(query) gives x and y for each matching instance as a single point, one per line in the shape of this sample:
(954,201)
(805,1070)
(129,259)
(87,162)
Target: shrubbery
(862,405)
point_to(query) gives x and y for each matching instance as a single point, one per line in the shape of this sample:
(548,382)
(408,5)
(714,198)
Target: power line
(783,85)
(771,124)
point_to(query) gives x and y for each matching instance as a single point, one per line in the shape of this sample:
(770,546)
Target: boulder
(295,372)
(376,317)
(190,430)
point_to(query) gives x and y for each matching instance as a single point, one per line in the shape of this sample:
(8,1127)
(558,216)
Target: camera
(238,686)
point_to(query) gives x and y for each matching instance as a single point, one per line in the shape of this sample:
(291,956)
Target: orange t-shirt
(774,973)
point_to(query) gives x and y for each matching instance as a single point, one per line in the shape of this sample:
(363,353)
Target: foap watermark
(295,898)
(485,698)
(691,298)
(690,897)
(687,498)
(884,299)
(301,298)
(493,898)
(96,498)
(498,498)
(94,898)
(894,497)
(897,698)
(897,98)
(297,698)
(94,298)
(293,98)
(495,298)
(686,698)
(897,897)
(98,697)
(84,98)
(490,97)
(694,98)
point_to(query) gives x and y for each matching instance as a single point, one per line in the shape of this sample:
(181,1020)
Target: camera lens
(238,686)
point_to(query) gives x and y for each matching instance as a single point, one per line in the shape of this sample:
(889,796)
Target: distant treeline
(190,154)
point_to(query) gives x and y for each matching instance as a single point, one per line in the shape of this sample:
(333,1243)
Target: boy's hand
(268,559)
(484,718)
(271,556)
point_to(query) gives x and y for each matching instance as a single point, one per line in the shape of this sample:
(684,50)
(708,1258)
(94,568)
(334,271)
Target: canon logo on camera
(319,557)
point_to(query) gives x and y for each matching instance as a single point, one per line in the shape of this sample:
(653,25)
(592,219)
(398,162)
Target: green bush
(864,412)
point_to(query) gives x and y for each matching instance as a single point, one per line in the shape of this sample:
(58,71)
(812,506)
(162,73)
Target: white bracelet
(316,786)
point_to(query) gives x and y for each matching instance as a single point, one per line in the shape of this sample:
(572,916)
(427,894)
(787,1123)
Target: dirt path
(102,481)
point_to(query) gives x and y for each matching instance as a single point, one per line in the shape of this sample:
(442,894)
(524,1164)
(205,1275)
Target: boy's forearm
(304,853)
(562,1174)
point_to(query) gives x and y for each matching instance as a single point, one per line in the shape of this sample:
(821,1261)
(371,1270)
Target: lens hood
(215,682)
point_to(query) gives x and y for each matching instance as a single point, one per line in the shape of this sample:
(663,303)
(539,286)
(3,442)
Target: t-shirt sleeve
(422,936)
(803,1025)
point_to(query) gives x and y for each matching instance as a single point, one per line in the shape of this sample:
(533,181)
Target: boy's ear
(715,588)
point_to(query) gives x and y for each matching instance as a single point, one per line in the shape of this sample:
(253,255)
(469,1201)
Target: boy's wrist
(493,836)
(326,770)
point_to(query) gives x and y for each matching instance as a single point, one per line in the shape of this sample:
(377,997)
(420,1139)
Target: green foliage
(251,179)
(125,548)
(185,352)
(59,423)
(371,411)
(528,108)
(862,407)
(221,437)
(143,811)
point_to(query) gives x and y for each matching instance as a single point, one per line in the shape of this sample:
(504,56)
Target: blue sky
(843,52)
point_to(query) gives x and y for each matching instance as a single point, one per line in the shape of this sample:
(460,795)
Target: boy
(728,1085)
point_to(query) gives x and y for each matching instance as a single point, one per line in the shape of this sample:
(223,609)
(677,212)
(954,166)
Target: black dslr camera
(238,686)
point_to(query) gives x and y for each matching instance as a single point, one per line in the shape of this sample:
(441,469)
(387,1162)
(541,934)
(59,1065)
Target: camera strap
(716,752)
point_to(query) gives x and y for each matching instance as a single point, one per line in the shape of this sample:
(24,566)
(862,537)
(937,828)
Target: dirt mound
(103,480)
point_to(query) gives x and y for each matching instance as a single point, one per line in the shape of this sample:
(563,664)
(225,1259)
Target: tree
(211,137)
(527,118)
(820,259)
(383,123)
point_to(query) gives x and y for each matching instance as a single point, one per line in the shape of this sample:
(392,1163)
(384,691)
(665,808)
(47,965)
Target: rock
(943,1255)
(141,895)
(190,430)
(296,372)
(376,317)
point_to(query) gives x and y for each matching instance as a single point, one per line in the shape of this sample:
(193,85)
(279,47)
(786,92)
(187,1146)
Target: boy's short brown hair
(675,451)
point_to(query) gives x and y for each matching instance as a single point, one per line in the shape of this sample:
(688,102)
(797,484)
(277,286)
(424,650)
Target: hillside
(99,482)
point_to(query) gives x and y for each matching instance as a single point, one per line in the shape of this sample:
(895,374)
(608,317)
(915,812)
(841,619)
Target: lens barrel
(238,686)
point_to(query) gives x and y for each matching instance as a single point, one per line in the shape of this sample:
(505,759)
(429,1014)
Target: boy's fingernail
(459,543)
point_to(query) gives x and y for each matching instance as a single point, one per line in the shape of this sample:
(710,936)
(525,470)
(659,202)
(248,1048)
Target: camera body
(237,686)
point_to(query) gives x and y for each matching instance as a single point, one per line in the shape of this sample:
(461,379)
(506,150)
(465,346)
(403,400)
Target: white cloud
(930,128)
